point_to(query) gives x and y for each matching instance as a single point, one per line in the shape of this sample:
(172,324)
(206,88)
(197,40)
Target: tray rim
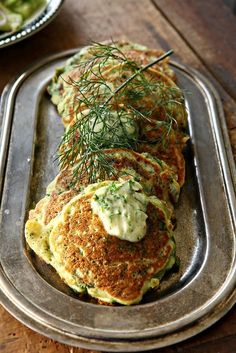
(229,167)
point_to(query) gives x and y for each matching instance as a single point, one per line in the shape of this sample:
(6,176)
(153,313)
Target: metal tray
(188,301)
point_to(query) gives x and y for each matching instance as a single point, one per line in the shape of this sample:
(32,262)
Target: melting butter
(121,206)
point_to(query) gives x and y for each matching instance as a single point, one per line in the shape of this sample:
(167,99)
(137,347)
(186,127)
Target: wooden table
(203,35)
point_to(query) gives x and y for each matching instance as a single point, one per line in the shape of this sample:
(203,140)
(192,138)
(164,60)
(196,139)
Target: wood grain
(15,337)
(209,29)
(156,24)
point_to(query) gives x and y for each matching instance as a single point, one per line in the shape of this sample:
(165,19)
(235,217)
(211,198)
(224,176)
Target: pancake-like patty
(163,108)
(169,149)
(41,218)
(143,56)
(162,100)
(112,269)
(97,63)
(137,53)
(88,259)
(134,52)
(160,133)
(155,176)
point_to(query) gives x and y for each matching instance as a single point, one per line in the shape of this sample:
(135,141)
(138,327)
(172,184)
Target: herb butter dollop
(111,125)
(121,206)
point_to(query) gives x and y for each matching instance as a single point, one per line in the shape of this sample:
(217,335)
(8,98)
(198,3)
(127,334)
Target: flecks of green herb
(82,146)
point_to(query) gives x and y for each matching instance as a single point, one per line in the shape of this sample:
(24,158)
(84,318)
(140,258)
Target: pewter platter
(43,16)
(188,301)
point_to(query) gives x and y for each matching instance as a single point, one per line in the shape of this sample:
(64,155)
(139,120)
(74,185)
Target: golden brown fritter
(168,149)
(163,98)
(133,52)
(62,229)
(121,270)
(137,53)
(143,56)
(55,204)
(155,176)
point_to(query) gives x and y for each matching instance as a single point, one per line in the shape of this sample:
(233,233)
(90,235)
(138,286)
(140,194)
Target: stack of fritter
(105,223)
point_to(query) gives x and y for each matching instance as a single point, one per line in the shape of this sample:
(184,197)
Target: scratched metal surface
(188,300)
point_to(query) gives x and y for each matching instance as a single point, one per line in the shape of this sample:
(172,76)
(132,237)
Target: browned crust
(56,203)
(109,263)
(121,159)
(116,75)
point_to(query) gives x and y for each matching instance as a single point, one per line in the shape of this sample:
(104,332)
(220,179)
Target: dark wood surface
(203,35)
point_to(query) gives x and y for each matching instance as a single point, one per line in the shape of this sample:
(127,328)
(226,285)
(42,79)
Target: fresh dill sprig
(106,116)
(138,72)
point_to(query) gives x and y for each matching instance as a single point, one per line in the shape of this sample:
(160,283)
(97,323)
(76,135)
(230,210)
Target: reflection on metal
(188,301)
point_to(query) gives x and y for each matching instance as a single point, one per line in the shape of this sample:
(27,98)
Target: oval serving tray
(188,301)
(37,21)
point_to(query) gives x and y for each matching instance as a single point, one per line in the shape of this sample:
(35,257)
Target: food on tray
(13,13)
(152,95)
(114,71)
(110,268)
(105,223)
(154,175)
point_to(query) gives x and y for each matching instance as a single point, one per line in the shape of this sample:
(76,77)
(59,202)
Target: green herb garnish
(108,117)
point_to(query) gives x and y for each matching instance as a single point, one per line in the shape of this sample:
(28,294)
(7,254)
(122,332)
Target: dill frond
(111,116)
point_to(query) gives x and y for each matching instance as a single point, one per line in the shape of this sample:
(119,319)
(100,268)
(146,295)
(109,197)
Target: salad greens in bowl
(20,19)
(14,13)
